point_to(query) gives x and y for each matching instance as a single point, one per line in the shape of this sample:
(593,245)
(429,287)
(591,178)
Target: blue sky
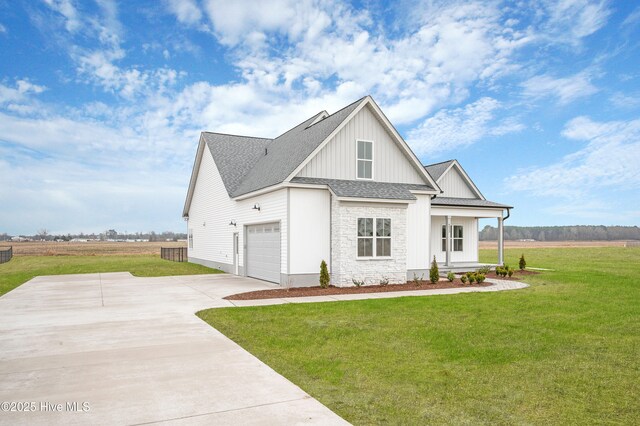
(102,102)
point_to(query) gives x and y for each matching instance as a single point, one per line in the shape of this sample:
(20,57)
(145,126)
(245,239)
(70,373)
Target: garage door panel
(263,251)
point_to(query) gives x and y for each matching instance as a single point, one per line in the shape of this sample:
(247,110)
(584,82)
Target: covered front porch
(455,234)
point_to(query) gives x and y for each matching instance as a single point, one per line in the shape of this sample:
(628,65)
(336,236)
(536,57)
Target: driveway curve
(117,349)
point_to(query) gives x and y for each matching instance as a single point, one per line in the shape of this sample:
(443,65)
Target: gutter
(435,195)
(508,214)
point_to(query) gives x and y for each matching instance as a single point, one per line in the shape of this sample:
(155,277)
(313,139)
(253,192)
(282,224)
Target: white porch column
(448,238)
(500,242)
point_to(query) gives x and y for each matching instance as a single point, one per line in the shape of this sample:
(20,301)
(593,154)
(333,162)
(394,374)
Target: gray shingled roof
(466,202)
(234,155)
(366,189)
(436,170)
(286,152)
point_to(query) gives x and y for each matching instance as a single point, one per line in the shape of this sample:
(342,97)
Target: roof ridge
(441,162)
(299,124)
(341,109)
(238,136)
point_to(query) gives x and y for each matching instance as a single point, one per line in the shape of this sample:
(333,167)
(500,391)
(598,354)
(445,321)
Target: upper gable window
(364,159)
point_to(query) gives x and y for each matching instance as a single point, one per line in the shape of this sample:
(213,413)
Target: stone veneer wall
(345,265)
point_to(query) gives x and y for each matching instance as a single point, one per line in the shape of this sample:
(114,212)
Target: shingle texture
(466,202)
(366,189)
(436,170)
(249,164)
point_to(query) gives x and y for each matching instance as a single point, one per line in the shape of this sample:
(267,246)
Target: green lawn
(22,268)
(564,351)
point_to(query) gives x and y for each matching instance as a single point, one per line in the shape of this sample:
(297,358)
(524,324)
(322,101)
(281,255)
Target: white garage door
(263,251)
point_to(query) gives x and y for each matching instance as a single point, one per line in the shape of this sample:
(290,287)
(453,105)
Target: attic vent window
(364,162)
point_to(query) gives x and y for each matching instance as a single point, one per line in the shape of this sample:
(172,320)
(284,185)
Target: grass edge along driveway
(564,351)
(21,269)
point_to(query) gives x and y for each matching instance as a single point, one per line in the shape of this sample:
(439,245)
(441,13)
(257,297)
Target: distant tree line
(563,233)
(111,234)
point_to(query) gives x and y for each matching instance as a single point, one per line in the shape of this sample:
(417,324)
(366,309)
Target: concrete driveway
(116,349)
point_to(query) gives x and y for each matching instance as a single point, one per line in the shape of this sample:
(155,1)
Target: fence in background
(6,255)
(632,244)
(175,254)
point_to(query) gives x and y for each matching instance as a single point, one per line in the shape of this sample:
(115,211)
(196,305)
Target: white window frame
(365,159)
(453,238)
(374,237)
(190,237)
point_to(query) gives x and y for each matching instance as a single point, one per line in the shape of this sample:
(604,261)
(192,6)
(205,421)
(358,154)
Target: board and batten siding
(212,210)
(337,160)
(418,228)
(454,185)
(469,251)
(310,224)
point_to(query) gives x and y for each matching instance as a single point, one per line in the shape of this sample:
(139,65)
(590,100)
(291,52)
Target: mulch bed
(515,277)
(318,291)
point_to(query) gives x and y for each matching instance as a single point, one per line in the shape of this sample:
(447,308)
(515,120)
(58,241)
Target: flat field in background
(105,248)
(543,244)
(99,248)
(564,351)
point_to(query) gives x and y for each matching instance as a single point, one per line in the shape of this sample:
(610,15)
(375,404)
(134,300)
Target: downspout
(508,214)
(331,237)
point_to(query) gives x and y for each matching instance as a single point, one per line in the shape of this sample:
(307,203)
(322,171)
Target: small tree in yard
(523,263)
(324,275)
(434,274)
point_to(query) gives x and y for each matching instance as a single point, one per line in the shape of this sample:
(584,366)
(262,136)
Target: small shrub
(473,277)
(384,281)
(464,279)
(451,276)
(357,283)
(324,275)
(417,281)
(501,271)
(480,278)
(522,263)
(434,274)
(484,270)
(510,272)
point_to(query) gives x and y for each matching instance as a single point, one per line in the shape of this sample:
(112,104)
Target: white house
(344,188)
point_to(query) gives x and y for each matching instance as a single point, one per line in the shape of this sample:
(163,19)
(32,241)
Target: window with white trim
(374,242)
(364,162)
(190,238)
(457,238)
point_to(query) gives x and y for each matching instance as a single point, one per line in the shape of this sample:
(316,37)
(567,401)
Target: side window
(364,160)
(190,238)
(365,237)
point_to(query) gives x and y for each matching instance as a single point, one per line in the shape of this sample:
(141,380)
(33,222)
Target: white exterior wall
(211,211)
(469,251)
(345,262)
(309,218)
(337,160)
(419,227)
(454,185)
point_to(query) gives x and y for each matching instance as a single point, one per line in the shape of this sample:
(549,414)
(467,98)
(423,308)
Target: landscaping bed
(331,290)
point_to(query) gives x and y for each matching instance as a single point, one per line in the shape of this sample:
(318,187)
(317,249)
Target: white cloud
(68,11)
(186,11)
(452,129)
(566,89)
(632,18)
(609,160)
(625,100)
(3,29)
(569,21)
